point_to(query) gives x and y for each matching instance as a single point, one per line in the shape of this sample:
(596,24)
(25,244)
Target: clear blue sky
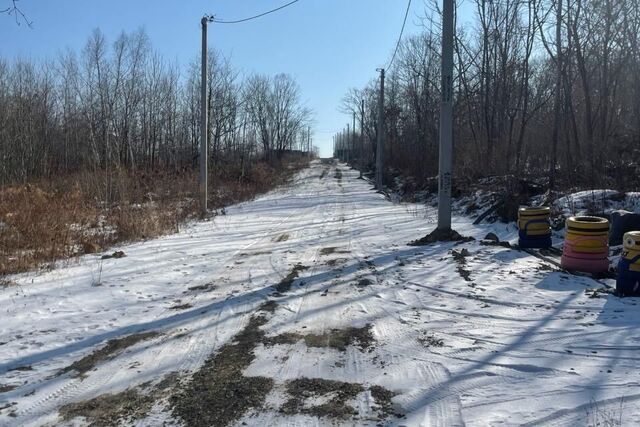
(327,45)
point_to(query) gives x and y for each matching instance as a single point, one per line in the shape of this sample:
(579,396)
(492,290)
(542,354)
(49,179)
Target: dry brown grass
(63,217)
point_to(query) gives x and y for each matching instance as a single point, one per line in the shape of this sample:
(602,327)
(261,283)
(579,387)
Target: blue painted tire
(529,242)
(522,235)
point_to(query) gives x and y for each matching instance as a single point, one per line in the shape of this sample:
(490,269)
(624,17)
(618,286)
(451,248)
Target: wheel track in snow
(313,258)
(98,379)
(475,379)
(526,346)
(354,356)
(442,412)
(444,406)
(577,414)
(448,395)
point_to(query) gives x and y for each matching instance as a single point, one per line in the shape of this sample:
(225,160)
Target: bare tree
(14,10)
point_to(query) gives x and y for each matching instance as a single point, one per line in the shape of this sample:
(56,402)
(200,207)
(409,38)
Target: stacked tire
(628,280)
(586,244)
(534,228)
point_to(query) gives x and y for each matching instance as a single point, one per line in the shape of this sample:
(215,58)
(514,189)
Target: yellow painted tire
(542,212)
(631,241)
(522,224)
(583,249)
(523,221)
(538,232)
(587,244)
(588,224)
(540,215)
(587,233)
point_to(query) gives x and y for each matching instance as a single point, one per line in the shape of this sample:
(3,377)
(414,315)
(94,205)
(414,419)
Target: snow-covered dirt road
(307,307)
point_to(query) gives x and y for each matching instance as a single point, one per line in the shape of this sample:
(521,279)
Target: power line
(256,16)
(404,23)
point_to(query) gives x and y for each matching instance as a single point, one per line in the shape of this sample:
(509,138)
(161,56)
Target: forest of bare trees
(543,88)
(102,146)
(120,105)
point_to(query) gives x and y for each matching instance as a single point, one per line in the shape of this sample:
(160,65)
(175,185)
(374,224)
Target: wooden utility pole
(445,161)
(379,148)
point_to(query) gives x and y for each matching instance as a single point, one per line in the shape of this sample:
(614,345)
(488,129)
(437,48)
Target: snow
(590,202)
(521,344)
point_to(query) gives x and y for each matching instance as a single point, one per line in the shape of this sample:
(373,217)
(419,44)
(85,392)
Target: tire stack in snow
(534,228)
(586,244)
(628,280)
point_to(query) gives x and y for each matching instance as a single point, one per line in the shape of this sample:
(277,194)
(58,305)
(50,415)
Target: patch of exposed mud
(598,292)
(428,340)
(382,397)
(115,255)
(285,284)
(282,238)
(22,368)
(269,306)
(246,254)
(9,405)
(460,257)
(333,250)
(439,235)
(113,348)
(491,239)
(321,398)
(338,339)
(110,409)
(6,387)
(218,393)
(333,399)
(336,261)
(119,408)
(181,306)
(207,287)
(363,283)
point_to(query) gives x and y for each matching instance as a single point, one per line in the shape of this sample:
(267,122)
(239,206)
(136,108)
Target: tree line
(542,88)
(122,105)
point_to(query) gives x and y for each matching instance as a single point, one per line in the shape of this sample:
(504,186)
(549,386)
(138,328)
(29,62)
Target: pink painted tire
(586,265)
(569,250)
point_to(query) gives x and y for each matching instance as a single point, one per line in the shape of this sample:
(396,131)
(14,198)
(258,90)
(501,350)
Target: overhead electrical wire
(217,21)
(404,24)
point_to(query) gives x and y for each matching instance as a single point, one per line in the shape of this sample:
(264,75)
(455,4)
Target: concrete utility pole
(204,142)
(445,161)
(379,148)
(344,147)
(353,133)
(346,140)
(362,161)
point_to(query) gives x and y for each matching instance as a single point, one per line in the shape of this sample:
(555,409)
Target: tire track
(190,358)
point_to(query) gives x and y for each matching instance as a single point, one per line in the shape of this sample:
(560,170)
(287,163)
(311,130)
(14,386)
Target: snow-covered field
(488,337)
